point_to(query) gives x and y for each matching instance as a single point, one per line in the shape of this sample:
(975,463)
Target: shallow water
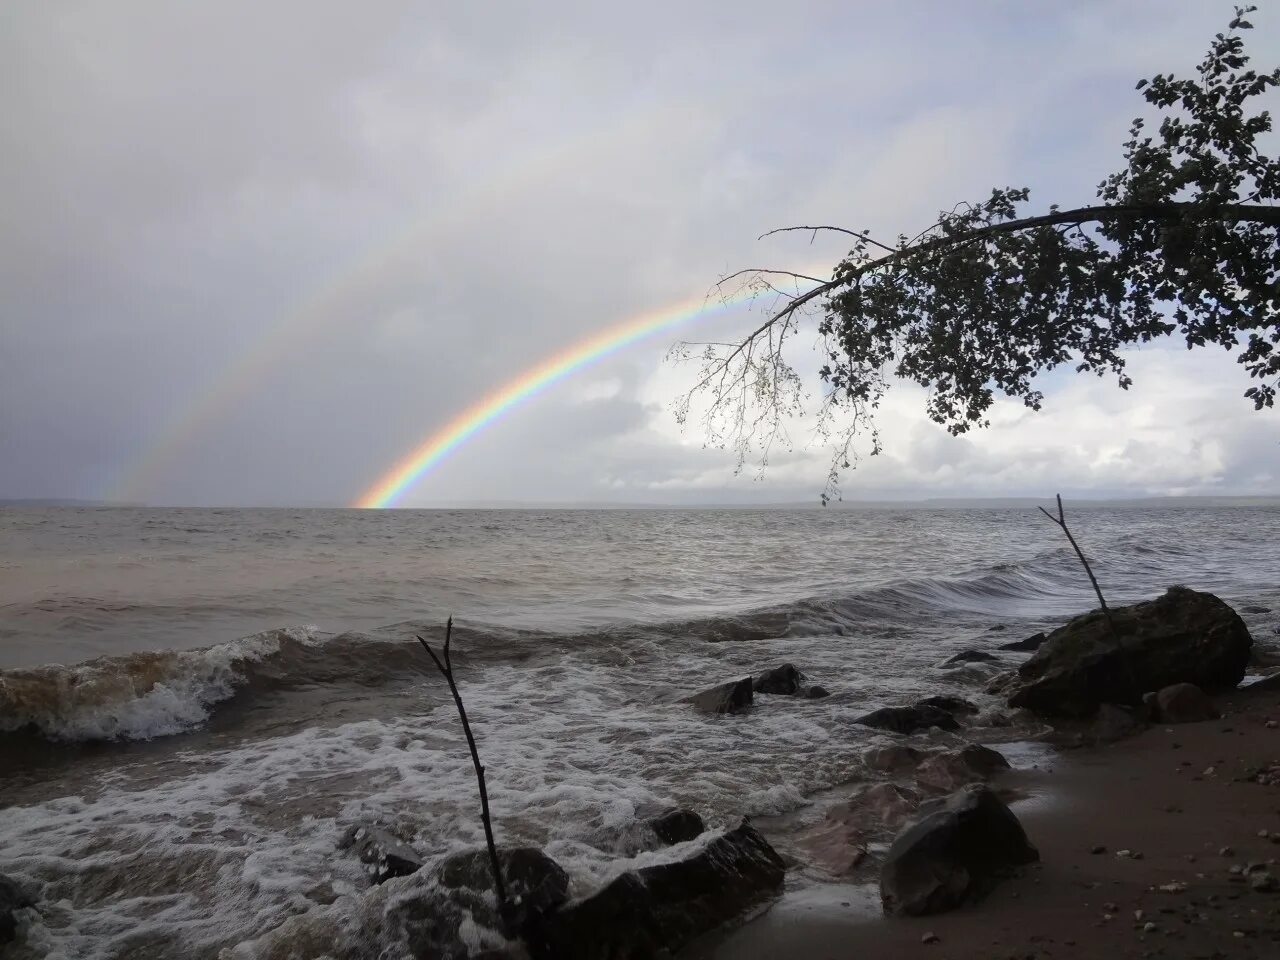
(187,801)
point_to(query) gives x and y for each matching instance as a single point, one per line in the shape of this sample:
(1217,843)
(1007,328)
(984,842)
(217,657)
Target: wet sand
(1175,796)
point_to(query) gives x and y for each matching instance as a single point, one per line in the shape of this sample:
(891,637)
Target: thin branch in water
(446,670)
(1061,521)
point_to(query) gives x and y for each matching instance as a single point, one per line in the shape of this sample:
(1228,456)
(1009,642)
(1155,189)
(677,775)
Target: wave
(142,696)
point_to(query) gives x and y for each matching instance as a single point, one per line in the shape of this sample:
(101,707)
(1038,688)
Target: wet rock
(785,680)
(1033,642)
(383,853)
(535,884)
(654,911)
(909,719)
(1183,636)
(956,851)
(732,697)
(1184,703)
(1112,723)
(815,692)
(13,897)
(953,705)
(676,826)
(949,770)
(969,656)
(1256,608)
(893,759)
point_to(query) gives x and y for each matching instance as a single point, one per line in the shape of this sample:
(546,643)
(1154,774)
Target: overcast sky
(255,253)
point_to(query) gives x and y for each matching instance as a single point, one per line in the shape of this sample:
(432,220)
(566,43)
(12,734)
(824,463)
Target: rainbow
(396,482)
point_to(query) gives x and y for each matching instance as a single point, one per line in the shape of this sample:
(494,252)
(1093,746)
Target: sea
(196,704)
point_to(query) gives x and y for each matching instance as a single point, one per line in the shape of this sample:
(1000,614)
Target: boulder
(654,911)
(838,843)
(815,691)
(13,897)
(952,705)
(948,770)
(676,825)
(732,697)
(1184,703)
(786,680)
(1112,722)
(968,656)
(1033,642)
(1182,637)
(535,884)
(956,851)
(893,759)
(909,719)
(383,853)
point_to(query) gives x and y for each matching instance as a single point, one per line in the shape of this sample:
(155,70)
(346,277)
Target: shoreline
(1175,796)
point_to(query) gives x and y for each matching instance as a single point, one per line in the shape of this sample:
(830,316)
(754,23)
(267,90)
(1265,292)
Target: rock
(949,770)
(1111,723)
(968,656)
(535,883)
(908,719)
(815,692)
(1183,636)
(732,697)
(893,759)
(952,705)
(384,854)
(1184,703)
(676,825)
(1033,642)
(1256,608)
(654,911)
(786,680)
(13,897)
(955,853)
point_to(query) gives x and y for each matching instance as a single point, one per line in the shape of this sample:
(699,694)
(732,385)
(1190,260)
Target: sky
(255,254)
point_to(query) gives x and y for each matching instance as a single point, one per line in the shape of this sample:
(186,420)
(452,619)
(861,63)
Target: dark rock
(948,770)
(676,826)
(838,843)
(654,911)
(13,897)
(950,704)
(909,719)
(1112,722)
(997,628)
(969,656)
(1182,637)
(786,680)
(535,884)
(954,853)
(384,854)
(1033,642)
(815,692)
(893,759)
(732,697)
(1184,703)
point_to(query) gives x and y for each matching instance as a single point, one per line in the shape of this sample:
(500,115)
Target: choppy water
(255,687)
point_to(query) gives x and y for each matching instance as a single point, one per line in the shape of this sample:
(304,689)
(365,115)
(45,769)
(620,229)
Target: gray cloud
(391,209)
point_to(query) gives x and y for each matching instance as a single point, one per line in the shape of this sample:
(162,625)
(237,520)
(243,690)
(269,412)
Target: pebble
(1209,771)
(1227,852)
(1264,834)
(929,938)
(1098,849)
(1148,927)
(1174,887)
(1271,724)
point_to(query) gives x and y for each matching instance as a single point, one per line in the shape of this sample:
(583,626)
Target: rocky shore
(1158,839)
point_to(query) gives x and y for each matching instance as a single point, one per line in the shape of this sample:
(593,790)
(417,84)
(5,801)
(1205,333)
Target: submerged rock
(676,825)
(909,719)
(383,853)
(1184,703)
(1183,636)
(13,897)
(948,770)
(954,853)
(838,843)
(535,884)
(1033,642)
(654,911)
(815,691)
(785,680)
(732,697)
(969,656)
(893,759)
(953,705)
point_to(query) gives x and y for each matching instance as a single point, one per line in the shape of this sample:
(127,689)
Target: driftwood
(1061,521)
(446,670)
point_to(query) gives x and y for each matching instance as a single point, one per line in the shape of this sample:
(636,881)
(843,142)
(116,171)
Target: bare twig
(1061,521)
(446,670)
(853,233)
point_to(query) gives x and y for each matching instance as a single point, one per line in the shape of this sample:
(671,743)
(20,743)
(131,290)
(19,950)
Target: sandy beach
(1182,800)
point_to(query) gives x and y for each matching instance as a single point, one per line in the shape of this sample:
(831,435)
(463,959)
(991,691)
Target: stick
(446,670)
